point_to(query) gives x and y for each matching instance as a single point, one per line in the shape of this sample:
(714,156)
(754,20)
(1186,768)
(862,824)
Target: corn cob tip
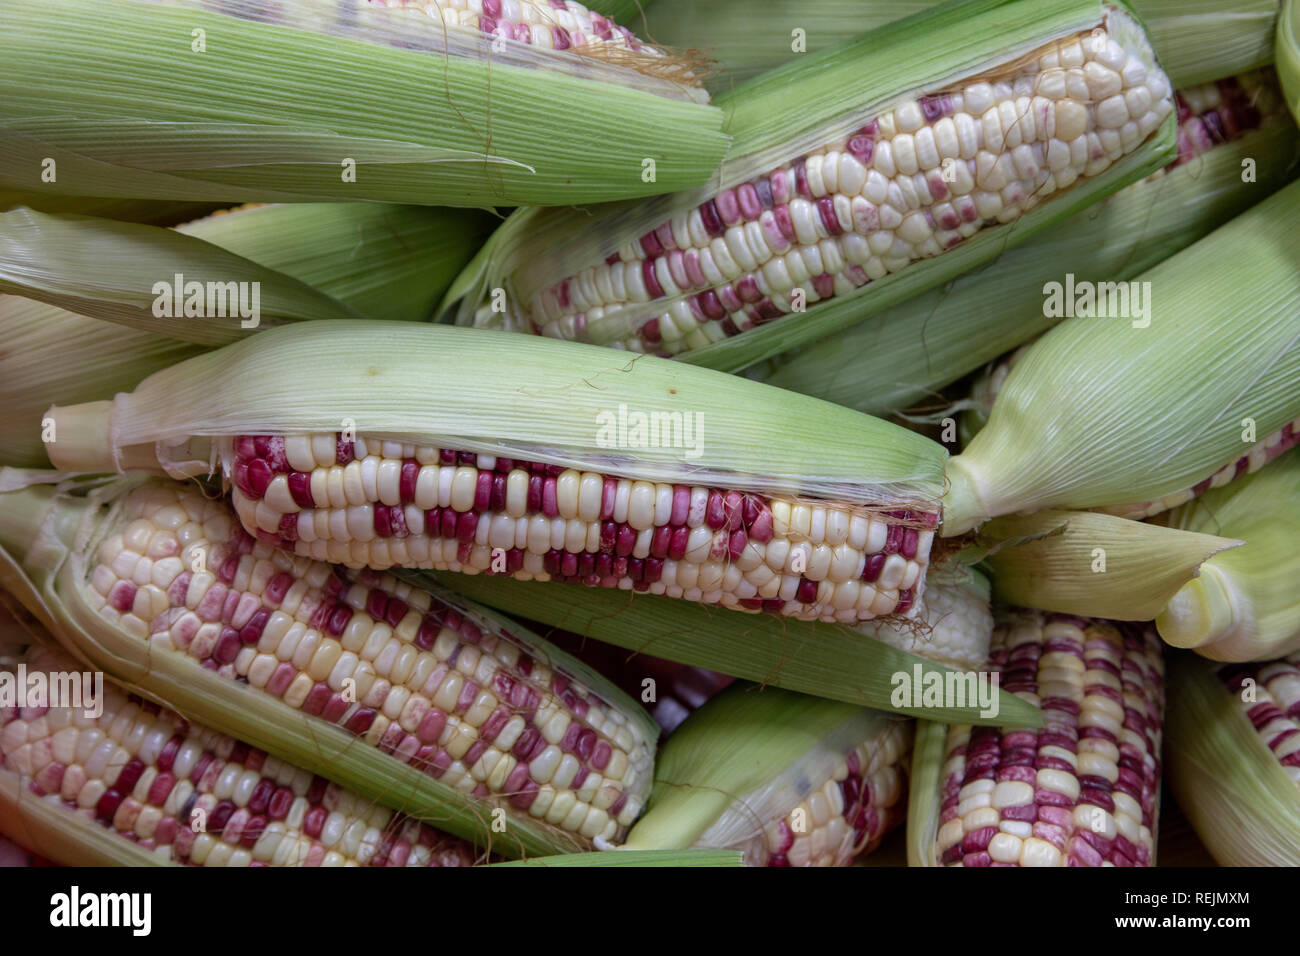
(1203,608)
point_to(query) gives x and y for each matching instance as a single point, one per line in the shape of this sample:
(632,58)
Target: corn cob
(903,357)
(1233,760)
(1242,606)
(1192,394)
(1194,40)
(1084,790)
(790,780)
(828,526)
(474,705)
(147,774)
(510,102)
(827,214)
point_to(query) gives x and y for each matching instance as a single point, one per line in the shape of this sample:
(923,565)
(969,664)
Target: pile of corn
(929,386)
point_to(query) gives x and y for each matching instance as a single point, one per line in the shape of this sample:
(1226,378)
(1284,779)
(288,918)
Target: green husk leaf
(630,13)
(1093,565)
(746,756)
(780,115)
(150,212)
(313,261)
(620,857)
(1196,40)
(77,263)
(1245,605)
(824,660)
(286,110)
(444,386)
(1100,412)
(1288,54)
(929,753)
(1228,783)
(904,355)
(46,534)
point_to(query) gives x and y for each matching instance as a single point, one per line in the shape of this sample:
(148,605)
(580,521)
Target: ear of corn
(1288,54)
(400,102)
(1073,561)
(136,784)
(789,780)
(829,211)
(464,720)
(1232,760)
(853,665)
(905,355)
(1084,790)
(316,261)
(1195,40)
(1243,606)
(718,505)
(1169,402)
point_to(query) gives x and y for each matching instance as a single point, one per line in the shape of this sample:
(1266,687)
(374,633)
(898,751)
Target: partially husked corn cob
(192,795)
(386,661)
(1261,453)
(956,623)
(1233,757)
(790,780)
(904,356)
(552,25)
(448,703)
(1274,711)
(1084,790)
(369,503)
(901,176)
(724,503)
(908,184)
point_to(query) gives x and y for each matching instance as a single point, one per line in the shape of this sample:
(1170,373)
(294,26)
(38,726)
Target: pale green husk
(154,212)
(47,536)
(929,752)
(1195,40)
(314,261)
(821,659)
(903,356)
(746,757)
(1092,564)
(281,110)
(777,117)
(510,395)
(1245,606)
(1099,412)
(1232,789)
(1288,54)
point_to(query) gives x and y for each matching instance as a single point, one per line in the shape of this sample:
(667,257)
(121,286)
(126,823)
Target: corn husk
(630,13)
(1100,412)
(311,100)
(777,117)
(315,261)
(904,356)
(1094,565)
(443,386)
(1240,801)
(852,665)
(1196,40)
(747,758)
(1288,54)
(47,535)
(151,212)
(1244,606)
